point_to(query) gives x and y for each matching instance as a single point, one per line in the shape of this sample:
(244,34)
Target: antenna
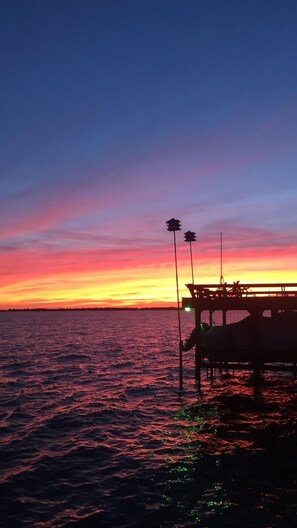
(222,277)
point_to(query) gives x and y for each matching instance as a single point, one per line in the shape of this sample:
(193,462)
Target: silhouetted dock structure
(273,299)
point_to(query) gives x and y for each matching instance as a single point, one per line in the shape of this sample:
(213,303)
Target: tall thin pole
(192,263)
(221,277)
(174,225)
(177,288)
(190,236)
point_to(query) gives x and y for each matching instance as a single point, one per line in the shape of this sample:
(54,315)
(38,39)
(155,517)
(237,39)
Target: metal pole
(174,225)
(190,236)
(221,278)
(177,288)
(179,322)
(192,263)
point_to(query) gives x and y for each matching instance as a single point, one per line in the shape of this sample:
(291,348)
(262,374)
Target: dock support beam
(224,317)
(198,349)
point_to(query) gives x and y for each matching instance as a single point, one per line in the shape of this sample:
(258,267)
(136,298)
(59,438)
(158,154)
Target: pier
(273,299)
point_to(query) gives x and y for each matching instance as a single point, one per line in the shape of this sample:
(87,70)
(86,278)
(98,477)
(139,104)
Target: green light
(187,309)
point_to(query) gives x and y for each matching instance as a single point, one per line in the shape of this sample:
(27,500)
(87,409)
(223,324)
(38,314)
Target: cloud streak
(123,121)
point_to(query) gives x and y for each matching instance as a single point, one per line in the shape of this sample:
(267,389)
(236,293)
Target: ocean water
(94,432)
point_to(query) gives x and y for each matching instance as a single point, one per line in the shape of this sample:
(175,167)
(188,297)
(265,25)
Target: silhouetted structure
(275,298)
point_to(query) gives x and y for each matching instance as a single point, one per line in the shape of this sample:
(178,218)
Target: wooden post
(198,348)
(255,350)
(210,317)
(224,317)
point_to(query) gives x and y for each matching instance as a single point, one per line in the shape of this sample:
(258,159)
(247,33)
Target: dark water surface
(94,433)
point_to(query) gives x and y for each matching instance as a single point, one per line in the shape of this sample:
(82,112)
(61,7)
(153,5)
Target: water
(95,434)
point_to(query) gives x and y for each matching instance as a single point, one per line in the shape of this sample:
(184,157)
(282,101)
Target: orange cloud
(135,276)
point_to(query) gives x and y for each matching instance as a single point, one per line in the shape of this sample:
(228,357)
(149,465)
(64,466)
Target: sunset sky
(117,115)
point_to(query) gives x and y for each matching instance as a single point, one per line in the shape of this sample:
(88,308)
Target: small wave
(93,431)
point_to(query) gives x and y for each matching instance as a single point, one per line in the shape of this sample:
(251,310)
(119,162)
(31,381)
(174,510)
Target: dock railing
(238,290)
(256,299)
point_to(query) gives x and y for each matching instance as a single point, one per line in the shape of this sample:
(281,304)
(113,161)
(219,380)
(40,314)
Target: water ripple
(93,431)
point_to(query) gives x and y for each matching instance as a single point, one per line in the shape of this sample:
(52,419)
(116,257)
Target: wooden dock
(274,298)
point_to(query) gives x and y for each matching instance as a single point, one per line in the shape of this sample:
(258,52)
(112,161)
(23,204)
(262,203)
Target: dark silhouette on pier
(257,342)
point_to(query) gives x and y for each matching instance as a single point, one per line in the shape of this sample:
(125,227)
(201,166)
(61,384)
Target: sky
(118,115)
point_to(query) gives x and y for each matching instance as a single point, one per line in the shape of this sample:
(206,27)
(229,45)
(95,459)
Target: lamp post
(174,225)
(190,236)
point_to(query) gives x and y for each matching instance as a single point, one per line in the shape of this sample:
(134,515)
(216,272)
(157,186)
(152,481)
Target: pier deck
(256,299)
(250,297)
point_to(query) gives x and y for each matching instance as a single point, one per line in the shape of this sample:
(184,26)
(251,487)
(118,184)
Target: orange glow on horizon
(132,278)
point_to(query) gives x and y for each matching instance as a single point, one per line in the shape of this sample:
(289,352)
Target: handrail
(238,290)
(250,284)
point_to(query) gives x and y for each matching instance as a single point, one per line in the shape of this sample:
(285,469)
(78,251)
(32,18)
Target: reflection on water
(94,433)
(241,467)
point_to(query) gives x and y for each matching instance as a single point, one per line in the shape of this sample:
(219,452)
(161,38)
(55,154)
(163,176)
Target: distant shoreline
(86,309)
